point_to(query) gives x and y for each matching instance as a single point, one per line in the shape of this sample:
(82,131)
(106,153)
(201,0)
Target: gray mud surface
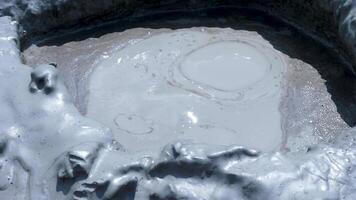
(48,150)
(319,97)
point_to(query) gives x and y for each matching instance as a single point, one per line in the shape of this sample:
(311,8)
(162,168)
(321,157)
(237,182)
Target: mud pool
(218,86)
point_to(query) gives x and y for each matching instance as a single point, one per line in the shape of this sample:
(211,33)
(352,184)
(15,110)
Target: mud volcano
(244,100)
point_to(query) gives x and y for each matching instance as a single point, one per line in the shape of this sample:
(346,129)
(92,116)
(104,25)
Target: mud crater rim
(225,65)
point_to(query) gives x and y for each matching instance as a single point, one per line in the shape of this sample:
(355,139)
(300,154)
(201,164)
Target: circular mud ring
(133,124)
(233,70)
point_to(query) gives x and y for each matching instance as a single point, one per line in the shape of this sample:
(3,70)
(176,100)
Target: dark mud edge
(329,20)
